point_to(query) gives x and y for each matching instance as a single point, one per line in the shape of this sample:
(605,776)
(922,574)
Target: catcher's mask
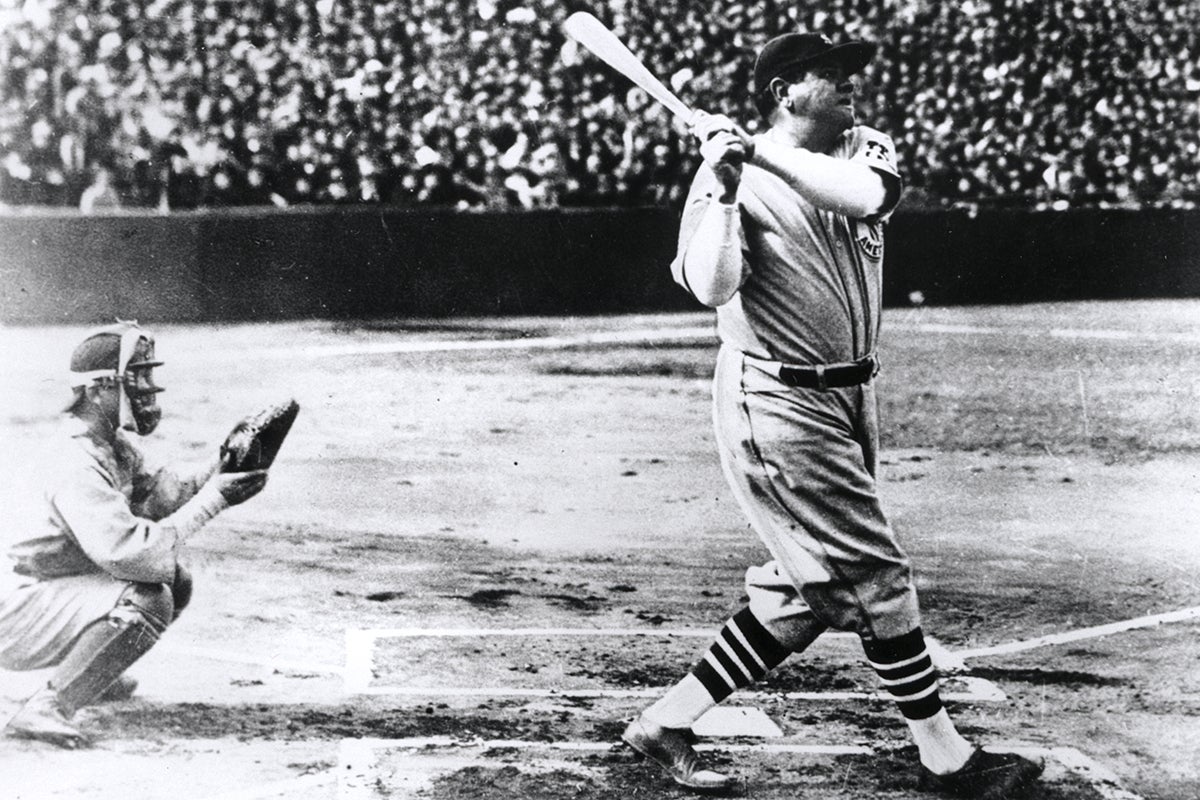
(121,355)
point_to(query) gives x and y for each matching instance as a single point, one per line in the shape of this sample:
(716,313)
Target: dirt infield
(405,610)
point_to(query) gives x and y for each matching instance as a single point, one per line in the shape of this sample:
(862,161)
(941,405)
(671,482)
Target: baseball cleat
(671,749)
(41,718)
(119,690)
(986,776)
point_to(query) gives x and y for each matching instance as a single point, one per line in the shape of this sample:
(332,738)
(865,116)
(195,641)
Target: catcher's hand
(238,487)
(254,442)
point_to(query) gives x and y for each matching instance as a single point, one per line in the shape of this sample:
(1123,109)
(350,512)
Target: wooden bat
(596,37)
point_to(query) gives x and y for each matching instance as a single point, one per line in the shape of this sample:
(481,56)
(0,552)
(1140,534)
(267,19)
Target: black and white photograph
(535,400)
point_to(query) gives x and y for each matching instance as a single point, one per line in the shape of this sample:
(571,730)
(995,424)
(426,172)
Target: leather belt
(821,376)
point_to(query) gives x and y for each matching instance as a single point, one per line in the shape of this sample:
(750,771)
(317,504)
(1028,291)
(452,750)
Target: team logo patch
(876,150)
(870,238)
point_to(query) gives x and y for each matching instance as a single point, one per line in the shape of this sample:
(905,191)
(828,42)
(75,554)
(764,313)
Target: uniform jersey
(813,292)
(94,508)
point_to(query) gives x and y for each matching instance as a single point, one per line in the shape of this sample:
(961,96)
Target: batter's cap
(785,54)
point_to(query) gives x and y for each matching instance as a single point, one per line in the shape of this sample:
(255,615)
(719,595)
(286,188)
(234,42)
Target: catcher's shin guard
(109,646)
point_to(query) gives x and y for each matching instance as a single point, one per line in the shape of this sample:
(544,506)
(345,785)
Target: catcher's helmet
(122,354)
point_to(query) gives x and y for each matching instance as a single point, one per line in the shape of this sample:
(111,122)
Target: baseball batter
(96,578)
(783,235)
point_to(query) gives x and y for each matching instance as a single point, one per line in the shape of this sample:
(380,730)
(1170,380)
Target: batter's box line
(357,768)
(359,673)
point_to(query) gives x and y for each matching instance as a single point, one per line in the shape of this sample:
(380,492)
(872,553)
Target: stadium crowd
(485,104)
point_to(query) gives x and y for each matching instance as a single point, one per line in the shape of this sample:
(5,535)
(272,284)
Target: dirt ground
(1041,465)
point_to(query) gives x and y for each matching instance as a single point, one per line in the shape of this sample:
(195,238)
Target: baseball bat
(603,43)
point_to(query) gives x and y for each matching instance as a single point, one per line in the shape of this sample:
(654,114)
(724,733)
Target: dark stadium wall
(355,261)
(1014,256)
(60,267)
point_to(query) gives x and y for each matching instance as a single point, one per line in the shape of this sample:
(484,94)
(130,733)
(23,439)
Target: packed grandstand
(484,104)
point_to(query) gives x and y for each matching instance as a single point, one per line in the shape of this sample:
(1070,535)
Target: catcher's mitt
(254,442)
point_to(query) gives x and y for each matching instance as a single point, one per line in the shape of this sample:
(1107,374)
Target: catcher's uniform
(801,459)
(81,537)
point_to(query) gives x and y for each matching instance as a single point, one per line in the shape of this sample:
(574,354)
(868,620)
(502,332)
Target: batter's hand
(238,487)
(725,147)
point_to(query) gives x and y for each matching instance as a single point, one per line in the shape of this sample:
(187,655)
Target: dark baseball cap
(784,54)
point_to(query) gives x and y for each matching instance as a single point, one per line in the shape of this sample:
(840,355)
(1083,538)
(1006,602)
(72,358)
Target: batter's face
(823,94)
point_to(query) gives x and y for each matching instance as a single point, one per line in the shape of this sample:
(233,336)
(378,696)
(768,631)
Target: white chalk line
(360,755)
(358,670)
(282,788)
(359,673)
(358,758)
(644,336)
(1103,780)
(983,691)
(450,742)
(422,633)
(1101,334)
(653,336)
(1094,632)
(250,659)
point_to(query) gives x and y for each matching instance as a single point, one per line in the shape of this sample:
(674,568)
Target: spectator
(101,193)
(206,103)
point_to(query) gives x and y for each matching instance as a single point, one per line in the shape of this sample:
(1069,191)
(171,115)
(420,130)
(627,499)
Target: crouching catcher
(96,577)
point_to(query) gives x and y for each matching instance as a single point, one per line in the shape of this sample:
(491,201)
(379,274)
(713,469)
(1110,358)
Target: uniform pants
(801,463)
(40,620)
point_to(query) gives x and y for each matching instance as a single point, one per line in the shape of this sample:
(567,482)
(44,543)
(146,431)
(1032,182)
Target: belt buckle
(821,383)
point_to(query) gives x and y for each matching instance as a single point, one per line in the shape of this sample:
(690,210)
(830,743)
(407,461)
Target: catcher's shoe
(119,690)
(986,776)
(671,749)
(41,718)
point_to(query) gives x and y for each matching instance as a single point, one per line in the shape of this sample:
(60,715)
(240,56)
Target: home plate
(736,721)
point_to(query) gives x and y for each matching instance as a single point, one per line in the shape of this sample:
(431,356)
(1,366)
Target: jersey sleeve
(160,488)
(876,150)
(703,193)
(100,521)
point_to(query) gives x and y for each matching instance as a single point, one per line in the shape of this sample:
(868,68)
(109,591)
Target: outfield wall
(243,264)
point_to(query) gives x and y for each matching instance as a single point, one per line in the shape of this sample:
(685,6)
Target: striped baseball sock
(907,671)
(744,651)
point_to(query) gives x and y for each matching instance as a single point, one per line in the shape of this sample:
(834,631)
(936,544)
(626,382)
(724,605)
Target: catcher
(96,578)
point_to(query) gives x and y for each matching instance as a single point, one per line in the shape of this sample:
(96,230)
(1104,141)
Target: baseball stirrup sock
(743,653)
(904,666)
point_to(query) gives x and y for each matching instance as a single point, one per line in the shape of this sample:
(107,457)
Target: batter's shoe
(986,776)
(672,750)
(43,719)
(119,690)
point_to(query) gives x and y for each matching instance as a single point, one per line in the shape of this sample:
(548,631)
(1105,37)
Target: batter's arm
(710,263)
(853,189)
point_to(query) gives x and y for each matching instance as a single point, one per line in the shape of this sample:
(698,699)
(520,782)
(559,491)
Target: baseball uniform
(85,533)
(801,461)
